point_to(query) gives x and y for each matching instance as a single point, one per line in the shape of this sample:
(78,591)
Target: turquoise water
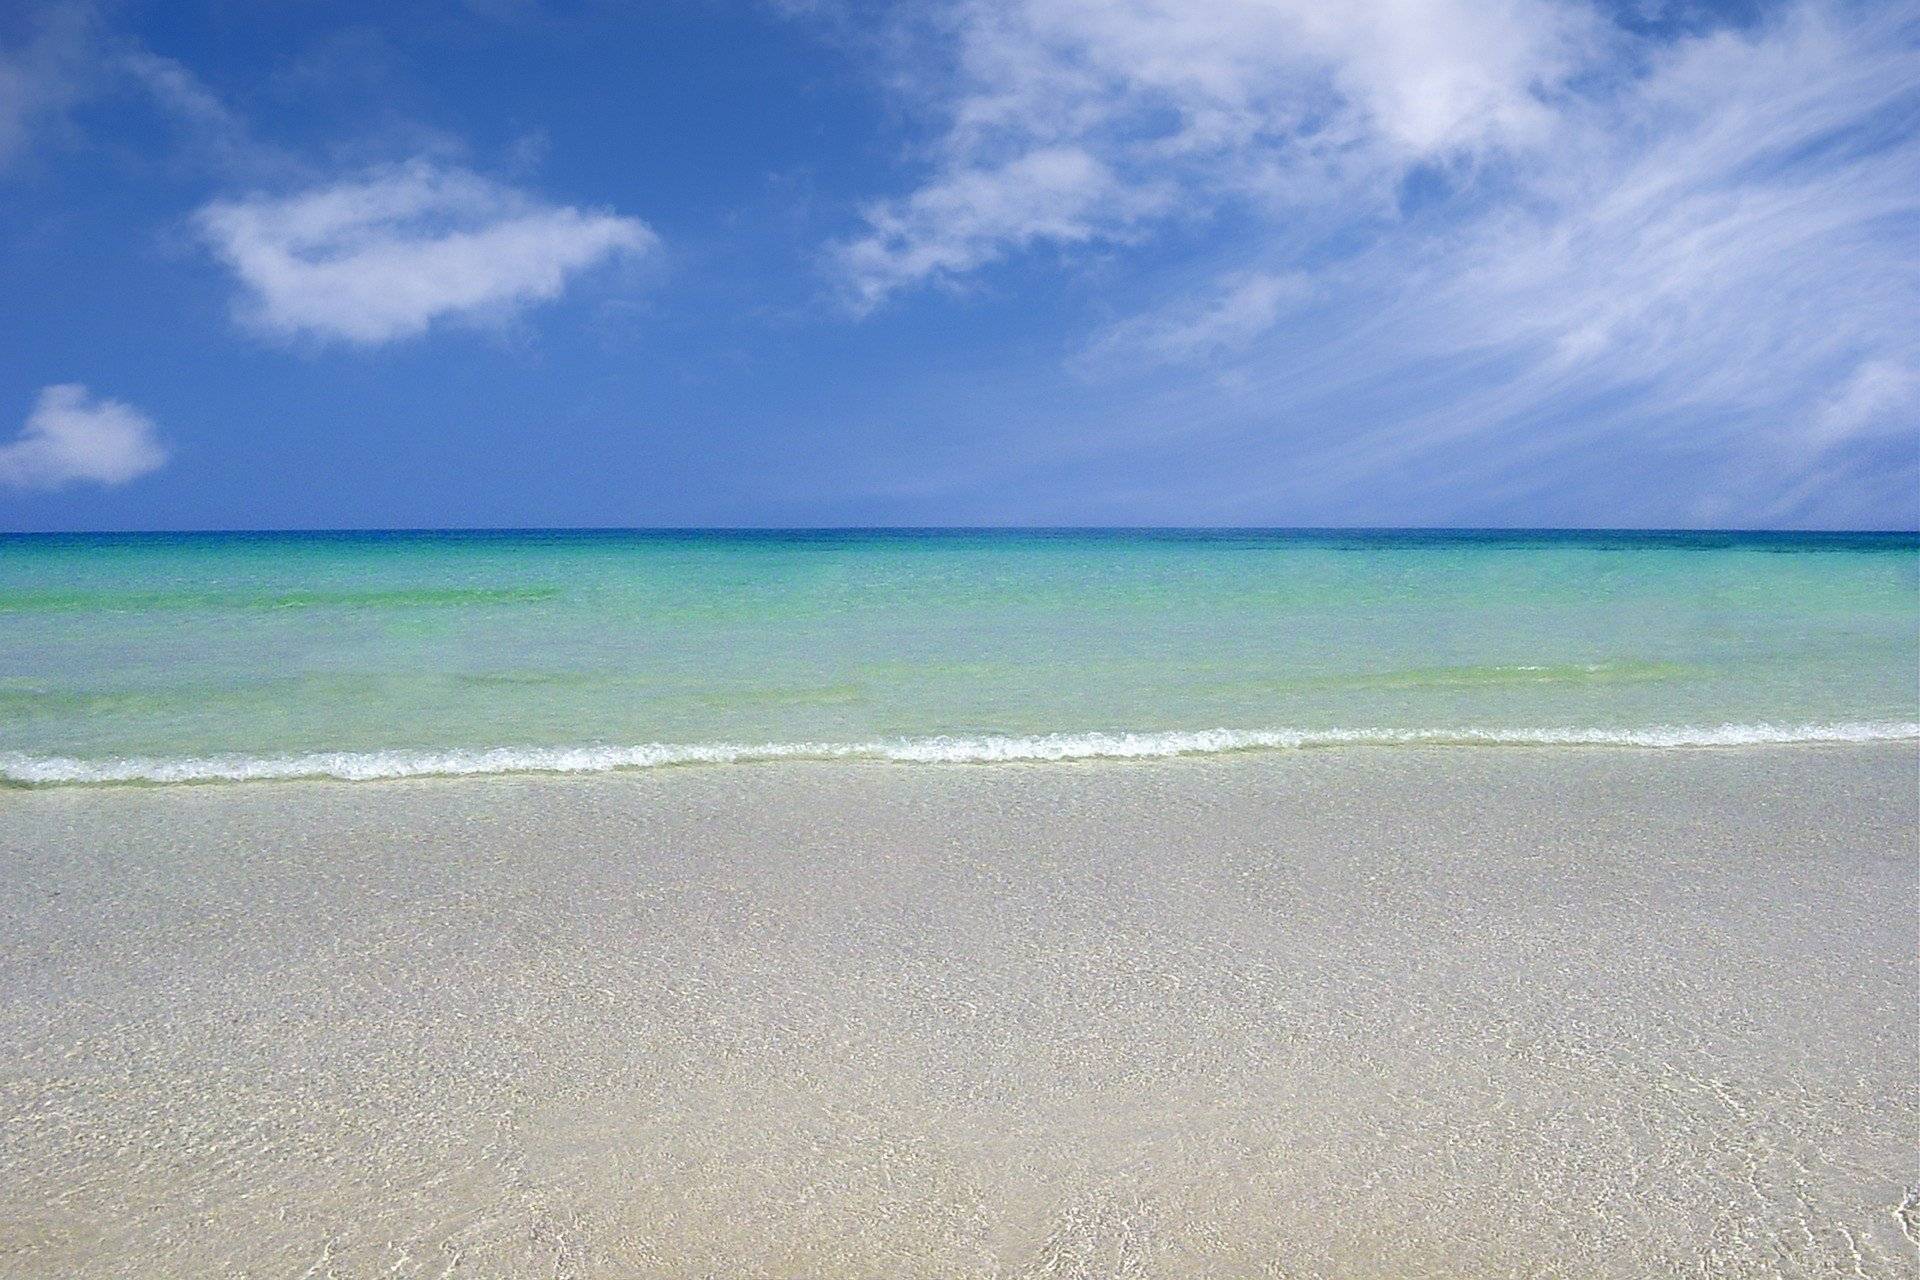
(165,657)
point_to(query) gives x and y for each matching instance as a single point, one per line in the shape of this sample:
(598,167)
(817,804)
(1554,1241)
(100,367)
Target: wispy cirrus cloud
(74,437)
(1221,322)
(45,68)
(1664,271)
(63,56)
(1880,396)
(968,218)
(1172,107)
(384,255)
(1713,269)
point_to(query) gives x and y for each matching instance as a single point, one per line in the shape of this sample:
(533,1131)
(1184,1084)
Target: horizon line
(293,530)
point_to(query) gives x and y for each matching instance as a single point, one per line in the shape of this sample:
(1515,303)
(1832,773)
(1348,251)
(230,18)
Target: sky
(480,263)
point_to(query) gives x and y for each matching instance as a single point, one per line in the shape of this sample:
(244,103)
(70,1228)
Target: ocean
(166,658)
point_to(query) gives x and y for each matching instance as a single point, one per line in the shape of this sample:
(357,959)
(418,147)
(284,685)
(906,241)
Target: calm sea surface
(181,657)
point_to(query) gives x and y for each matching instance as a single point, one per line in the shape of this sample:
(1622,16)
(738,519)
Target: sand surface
(1456,1012)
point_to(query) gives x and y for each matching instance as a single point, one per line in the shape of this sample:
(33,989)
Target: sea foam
(20,769)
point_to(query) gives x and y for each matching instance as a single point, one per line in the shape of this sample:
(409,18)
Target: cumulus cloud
(384,255)
(74,437)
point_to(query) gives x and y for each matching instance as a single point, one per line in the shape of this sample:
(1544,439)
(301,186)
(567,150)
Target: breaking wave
(19,769)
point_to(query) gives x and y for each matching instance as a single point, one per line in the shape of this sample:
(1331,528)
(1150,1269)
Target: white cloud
(71,436)
(1679,286)
(1180,105)
(1728,243)
(44,74)
(383,256)
(1232,315)
(67,57)
(210,131)
(1881,395)
(971,216)
(180,91)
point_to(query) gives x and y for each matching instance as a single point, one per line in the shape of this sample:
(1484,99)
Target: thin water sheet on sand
(1392,1012)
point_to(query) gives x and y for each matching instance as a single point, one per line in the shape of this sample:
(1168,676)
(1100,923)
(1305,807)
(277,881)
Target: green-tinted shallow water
(191,656)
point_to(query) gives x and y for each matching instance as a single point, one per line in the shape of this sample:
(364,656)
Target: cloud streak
(970,217)
(1180,106)
(1671,277)
(1712,270)
(43,74)
(74,437)
(384,255)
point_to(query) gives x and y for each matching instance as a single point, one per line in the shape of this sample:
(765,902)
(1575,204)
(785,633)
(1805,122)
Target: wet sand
(1392,1012)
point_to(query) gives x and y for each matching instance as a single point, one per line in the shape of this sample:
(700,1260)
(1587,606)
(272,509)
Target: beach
(1370,1011)
(960,640)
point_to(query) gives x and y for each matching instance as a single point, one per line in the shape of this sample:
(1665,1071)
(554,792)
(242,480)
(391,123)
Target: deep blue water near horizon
(1693,539)
(182,656)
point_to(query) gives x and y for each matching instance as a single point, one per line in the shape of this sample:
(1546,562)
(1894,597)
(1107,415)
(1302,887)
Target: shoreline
(24,770)
(1613,1011)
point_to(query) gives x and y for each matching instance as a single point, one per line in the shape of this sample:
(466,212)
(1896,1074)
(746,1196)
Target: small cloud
(1240,309)
(73,437)
(970,218)
(381,257)
(211,131)
(1879,396)
(66,56)
(44,74)
(180,91)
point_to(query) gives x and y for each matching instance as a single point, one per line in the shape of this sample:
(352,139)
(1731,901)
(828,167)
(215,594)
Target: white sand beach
(1479,1012)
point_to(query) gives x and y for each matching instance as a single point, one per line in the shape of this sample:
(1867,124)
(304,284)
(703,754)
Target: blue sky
(526,262)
